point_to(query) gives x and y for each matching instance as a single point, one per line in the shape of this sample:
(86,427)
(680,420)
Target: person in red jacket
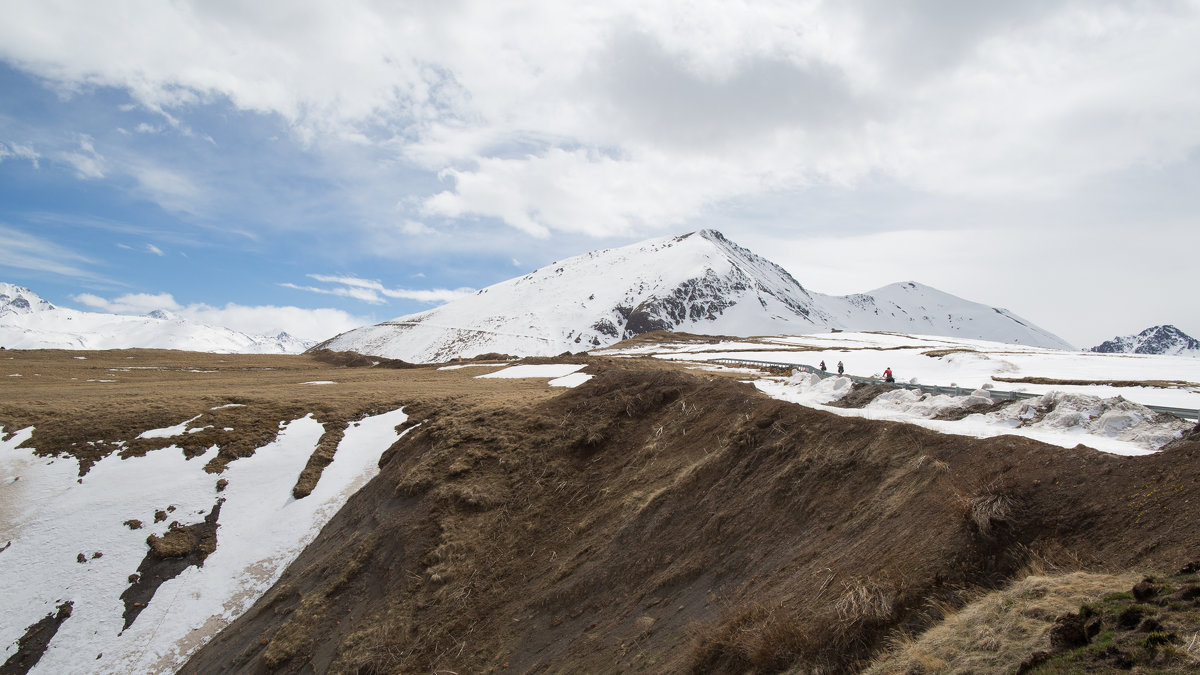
(887,375)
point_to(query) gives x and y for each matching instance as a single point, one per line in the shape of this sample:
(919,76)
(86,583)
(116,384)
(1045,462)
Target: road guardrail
(1185,413)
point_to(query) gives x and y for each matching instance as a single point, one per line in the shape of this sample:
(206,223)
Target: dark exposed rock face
(1155,340)
(699,299)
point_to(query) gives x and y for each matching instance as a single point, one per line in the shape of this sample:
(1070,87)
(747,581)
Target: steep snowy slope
(914,308)
(699,282)
(1154,340)
(29,322)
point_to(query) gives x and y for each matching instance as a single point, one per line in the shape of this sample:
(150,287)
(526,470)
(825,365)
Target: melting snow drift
(66,540)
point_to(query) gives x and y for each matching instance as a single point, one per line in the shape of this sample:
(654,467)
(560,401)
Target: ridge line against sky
(368,160)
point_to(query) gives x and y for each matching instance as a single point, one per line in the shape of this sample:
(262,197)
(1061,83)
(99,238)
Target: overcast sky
(251,163)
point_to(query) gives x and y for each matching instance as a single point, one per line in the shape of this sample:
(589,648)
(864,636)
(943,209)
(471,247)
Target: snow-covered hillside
(699,283)
(1154,340)
(77,541)
(29,322)
(1082,397)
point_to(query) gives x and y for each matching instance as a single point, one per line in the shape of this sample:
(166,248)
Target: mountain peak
(700,282)
(16,299)
(1162,339)
(713,235)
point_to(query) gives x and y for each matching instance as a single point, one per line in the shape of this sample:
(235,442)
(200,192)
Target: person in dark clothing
(841,368)
(822,366)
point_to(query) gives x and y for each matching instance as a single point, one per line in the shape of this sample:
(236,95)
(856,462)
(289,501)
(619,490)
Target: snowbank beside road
(1108,424)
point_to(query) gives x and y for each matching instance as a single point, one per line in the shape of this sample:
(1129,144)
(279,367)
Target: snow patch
(168,432)
(573,380)
(51,516)
(551,370)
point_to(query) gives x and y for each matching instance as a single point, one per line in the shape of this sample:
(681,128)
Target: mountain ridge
(27,321)
(1161,339)
(700,282)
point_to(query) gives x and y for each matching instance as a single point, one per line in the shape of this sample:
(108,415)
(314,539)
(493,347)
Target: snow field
(1110,425)
(1103,416)
(51,516)
(971,365)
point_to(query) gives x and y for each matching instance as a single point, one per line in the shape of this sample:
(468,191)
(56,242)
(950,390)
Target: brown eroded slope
(659,521)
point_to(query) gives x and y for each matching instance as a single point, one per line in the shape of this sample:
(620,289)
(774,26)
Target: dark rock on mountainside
(1164,339)
(700,283)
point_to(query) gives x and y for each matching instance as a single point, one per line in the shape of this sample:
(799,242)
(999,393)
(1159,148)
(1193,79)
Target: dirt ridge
(653,519)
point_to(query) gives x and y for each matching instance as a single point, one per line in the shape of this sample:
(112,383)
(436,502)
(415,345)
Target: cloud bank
(306,324)
(622,118)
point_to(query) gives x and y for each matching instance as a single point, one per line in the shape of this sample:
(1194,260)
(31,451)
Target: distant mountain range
(29,322)
(699,282)
(1164,339)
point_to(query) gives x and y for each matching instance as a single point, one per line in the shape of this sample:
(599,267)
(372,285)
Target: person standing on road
(887,375)
(841,368)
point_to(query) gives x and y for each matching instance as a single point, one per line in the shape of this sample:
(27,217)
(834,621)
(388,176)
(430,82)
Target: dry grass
(864,601)
(987,506)
(91,404)
(996,632)
(1165,384)
(753,638)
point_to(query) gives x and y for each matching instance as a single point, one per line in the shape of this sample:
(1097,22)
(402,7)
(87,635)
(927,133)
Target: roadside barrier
(1185,413)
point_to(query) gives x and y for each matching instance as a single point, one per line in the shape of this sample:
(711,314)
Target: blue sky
(310,167)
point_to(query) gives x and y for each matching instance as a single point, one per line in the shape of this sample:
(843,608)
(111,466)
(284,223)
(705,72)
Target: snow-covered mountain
(29,322)
(699,282)
(1154,340)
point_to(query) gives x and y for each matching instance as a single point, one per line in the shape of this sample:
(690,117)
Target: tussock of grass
(753,638)
(996,632)
(988,506)
(864,601)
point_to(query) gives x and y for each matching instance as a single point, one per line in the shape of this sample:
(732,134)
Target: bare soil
(181,547)
(664,521)
(654,519)
(34,642)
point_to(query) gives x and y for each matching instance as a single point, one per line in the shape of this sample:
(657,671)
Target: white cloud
(18,151)
(307,324)
(585,192)
(155,250)
(624,119)
(130,303)
(169,188)
(1046,275)
(20,250)
(88,163)
(364,294)
(375,292)
(415,228)
(720,100)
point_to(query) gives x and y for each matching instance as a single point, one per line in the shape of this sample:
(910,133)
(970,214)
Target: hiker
(887,375)
(841,368)
(822,366)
